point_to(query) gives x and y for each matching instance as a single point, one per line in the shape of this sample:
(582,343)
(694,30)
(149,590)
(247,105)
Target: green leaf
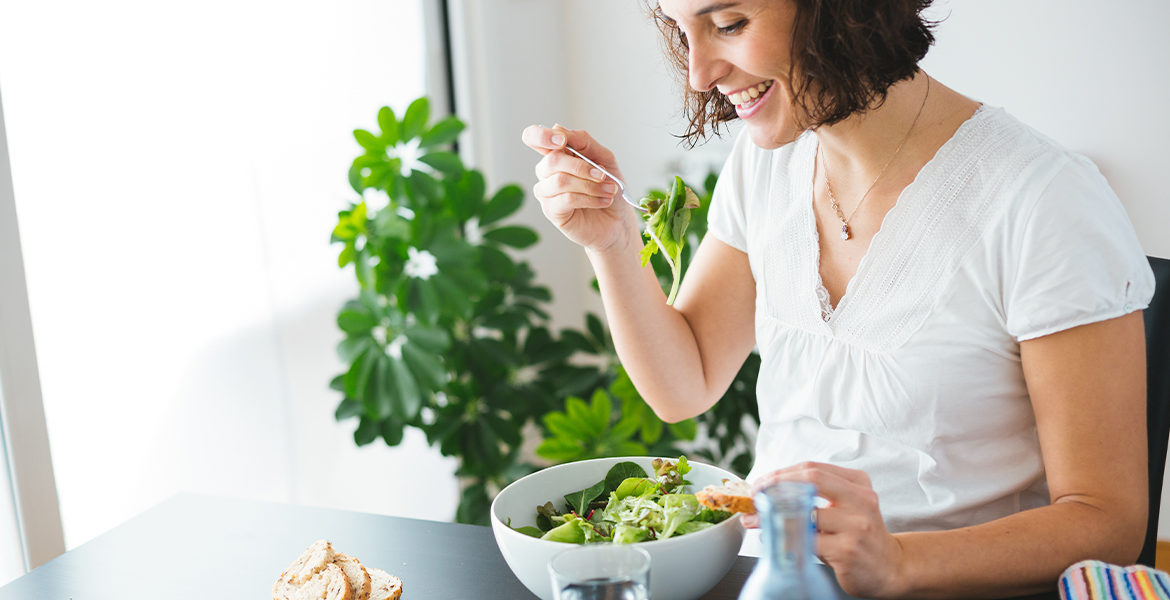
(684,430)
(347,409)
(423,187)
(559,450)
(508,431)
(474,505)
(356,320)
(600,410)
(442,132)
(596,329)
(426,367)
(376,398)
(392,431)
(346,256)
(515,236)
(620,472)
(368,140)
(429,339)
(579,501)
(466,194)
(499,266)
(506,201)
(367,432)
(352,347)
(405,395)
(359,374)
(388,123)
(414,122)
(444,162)
(562,426)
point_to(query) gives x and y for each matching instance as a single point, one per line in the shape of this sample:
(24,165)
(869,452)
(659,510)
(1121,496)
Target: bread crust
(732,496)
(359,577)
(319,554)
(385,585)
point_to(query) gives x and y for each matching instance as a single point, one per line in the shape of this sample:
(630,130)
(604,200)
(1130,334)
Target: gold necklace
(845,234)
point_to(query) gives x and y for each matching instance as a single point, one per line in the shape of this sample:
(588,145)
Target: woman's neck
(860,147)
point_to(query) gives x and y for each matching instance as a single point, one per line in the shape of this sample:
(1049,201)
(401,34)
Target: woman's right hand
(576,197)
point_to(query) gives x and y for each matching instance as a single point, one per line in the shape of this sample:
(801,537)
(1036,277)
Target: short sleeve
(1076,257)
(727,219)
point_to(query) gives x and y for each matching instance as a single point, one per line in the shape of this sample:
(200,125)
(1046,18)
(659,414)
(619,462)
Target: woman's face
(741,47)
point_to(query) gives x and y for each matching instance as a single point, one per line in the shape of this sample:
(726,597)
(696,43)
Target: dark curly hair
(845,56)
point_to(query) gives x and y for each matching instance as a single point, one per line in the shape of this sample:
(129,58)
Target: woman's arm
(681,358)
(1087,386)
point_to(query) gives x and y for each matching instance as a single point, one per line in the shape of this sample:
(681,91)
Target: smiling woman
(176,168)
(948,319)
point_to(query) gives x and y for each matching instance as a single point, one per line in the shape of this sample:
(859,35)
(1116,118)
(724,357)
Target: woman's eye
(733,28)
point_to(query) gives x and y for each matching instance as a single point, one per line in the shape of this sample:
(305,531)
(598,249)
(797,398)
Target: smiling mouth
(745,99)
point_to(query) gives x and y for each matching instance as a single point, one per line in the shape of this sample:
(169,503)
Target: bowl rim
(504,529)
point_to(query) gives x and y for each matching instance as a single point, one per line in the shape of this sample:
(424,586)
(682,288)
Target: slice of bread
(330,584)
(359,578)
(385,585)
(316,557)
(732,496)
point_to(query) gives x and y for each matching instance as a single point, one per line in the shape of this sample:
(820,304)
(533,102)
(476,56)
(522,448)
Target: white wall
(1092,75)
(178,168)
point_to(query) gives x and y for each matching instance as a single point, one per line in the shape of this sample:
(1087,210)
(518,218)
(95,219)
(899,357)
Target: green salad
(667,217)
(627,506)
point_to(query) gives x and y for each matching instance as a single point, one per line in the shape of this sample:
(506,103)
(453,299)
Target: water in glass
(604,589)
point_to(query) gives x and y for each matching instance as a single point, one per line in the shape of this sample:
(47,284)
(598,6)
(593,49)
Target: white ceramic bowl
(681,568)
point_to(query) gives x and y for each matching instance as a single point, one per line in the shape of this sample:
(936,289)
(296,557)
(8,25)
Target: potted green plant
(449,332)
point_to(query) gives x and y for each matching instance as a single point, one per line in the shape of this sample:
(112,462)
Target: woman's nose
(704,69)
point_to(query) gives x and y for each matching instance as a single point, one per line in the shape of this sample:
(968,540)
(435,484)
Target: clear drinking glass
(601,572)
(788,569)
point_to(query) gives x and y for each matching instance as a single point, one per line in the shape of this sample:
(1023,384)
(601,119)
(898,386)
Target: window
(177,170)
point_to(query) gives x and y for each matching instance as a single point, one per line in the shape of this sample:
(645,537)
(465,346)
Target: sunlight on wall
(177,169)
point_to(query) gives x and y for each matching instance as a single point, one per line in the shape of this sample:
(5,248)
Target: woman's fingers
(563,162)
(543,139)
(584,143)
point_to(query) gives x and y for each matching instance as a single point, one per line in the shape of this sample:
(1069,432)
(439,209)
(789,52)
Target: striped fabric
(1096,580)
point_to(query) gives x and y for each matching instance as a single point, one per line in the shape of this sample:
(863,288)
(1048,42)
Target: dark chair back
(1158,396)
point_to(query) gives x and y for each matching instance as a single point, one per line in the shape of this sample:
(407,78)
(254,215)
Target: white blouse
(915,376)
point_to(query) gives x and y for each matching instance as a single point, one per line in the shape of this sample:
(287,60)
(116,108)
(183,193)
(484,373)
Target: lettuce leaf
(667,218)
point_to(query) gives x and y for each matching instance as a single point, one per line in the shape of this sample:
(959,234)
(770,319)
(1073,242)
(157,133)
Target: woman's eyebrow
(706,10)
(710,8)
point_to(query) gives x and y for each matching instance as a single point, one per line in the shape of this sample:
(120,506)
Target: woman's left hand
(851,536)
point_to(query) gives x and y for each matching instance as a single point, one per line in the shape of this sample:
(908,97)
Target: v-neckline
(828,311)
(830,314)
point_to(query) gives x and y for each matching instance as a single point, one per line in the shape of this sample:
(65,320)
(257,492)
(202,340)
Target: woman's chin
(773,136)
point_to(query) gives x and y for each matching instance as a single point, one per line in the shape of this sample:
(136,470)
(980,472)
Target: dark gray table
(201,547)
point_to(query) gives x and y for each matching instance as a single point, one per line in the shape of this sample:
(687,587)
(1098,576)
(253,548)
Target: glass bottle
(787,570)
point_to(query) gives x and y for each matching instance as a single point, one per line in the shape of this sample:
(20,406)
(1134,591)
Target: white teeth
(746,96)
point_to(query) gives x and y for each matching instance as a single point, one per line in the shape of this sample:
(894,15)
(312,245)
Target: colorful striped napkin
(1096,580)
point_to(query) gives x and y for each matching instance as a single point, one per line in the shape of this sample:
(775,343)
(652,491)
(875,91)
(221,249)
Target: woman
(966,388)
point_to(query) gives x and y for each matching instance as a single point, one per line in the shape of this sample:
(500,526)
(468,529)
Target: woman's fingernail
(609,188)
(558,140)
(596,174)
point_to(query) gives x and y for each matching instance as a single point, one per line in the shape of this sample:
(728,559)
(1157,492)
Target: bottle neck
(786,531)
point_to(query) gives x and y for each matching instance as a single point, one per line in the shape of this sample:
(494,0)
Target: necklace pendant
(844,231)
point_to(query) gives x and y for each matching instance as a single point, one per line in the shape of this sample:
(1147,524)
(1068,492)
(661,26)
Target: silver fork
(620,184)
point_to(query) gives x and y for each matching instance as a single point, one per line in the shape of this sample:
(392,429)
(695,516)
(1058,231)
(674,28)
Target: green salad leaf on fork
(667,217)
